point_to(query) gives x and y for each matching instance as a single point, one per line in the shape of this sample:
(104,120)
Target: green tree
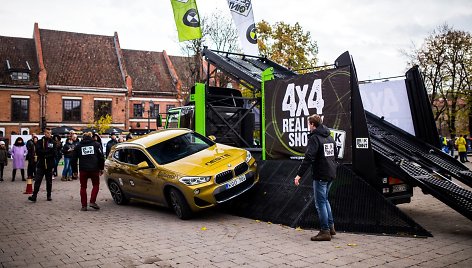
(287,45)
(445,59)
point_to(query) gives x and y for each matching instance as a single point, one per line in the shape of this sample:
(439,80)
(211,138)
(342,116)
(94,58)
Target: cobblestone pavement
(58,234)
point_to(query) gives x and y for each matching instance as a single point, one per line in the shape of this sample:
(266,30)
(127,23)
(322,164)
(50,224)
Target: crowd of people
(83,159)
(461,143)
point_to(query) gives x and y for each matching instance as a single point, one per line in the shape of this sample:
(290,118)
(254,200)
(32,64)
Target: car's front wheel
(117,194)
(179,204)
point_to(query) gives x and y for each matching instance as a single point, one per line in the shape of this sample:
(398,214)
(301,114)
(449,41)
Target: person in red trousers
(89,154)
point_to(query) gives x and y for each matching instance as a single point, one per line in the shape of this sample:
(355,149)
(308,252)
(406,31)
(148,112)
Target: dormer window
(19,74)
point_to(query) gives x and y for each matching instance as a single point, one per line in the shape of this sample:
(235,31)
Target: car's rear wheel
(179,204)
(117,194)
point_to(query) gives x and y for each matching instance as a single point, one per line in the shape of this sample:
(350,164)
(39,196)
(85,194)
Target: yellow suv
(178,168)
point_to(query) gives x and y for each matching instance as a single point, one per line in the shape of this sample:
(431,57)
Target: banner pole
(200,109)
(267,75)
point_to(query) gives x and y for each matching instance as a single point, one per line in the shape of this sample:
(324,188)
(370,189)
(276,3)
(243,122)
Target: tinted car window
(121,155)
(137,156)
(131,156)
(179,147)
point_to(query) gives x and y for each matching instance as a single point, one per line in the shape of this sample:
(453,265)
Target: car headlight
(248,156)
(194,180)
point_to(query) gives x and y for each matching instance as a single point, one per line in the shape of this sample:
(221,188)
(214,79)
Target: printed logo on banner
(88,150)
(291,101)
(339,137)
(242,7)
(251,35)
(328,149)
(362,143)
(191,18)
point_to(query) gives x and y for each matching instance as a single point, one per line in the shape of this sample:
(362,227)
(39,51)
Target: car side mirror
(211,137)
(143,165)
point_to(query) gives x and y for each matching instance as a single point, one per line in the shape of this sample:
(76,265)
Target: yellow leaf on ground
(203,228)
(352,245)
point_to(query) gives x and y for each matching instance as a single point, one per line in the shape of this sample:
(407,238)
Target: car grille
(228,194)
(240,169)
(229,174)
(224,176)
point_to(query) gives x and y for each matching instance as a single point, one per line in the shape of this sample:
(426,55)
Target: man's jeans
(321,190)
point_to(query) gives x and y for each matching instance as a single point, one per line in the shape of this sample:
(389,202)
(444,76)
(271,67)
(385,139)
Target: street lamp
(149,112)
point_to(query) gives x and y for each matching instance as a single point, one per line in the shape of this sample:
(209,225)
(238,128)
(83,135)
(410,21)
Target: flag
(186,19)
(241,11)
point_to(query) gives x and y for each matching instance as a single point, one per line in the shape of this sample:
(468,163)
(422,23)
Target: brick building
(62,78)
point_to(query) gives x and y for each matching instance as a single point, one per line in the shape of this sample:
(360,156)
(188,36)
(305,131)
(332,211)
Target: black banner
(289,102)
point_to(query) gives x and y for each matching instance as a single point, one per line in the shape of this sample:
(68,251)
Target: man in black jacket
(320,155)
(91,162)
(110,144)
(46,154)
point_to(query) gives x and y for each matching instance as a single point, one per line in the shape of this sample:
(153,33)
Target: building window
(19,76)
(155,112)
(137,110)
(102,108)
(169,106)
(154,108)
(19,110)
(71,110)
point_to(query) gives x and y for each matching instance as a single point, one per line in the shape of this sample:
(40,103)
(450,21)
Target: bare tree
(218,33)
(445,59)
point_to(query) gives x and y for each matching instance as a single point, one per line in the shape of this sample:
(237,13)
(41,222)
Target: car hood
(209,161)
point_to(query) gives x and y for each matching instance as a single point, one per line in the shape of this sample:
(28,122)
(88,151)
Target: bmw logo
(251,35)
(191,18)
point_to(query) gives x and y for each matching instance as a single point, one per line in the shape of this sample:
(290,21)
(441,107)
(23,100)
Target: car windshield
(179,147)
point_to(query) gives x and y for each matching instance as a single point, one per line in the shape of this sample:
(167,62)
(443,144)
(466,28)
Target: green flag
(186,19)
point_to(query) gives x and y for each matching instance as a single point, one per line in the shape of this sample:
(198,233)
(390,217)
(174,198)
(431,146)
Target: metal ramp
(245,69)
(356,205)
(420,164)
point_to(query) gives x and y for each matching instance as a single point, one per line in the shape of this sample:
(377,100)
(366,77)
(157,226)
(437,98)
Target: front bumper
(222,194)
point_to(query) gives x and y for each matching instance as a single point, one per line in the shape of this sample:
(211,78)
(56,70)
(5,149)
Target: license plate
(399,188)
(236,181)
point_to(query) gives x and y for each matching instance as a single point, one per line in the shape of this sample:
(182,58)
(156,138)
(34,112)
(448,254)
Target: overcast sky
(373,31)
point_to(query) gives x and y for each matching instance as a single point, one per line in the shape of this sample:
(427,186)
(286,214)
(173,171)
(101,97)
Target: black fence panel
(356,206)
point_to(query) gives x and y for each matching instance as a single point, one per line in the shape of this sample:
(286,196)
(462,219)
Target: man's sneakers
(49,198)
(92,205)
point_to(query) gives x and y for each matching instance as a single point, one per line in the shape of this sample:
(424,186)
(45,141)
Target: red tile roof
(149,72)
(183,68)
(75,59)
(18,51)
